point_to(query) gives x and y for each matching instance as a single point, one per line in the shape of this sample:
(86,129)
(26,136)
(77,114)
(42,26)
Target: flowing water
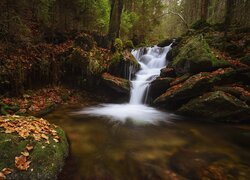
(151,60)
(133,141)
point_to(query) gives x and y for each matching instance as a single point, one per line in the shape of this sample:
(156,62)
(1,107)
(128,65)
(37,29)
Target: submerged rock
(194,56)
(120,85)
(193,164)
(31,148)
(217,105)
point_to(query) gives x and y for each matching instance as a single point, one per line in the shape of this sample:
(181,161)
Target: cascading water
(151,63)
(152,60)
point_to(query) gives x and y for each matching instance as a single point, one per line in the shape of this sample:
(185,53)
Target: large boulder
(194,86)
(194,56)
(31,148)
(120,85)
(218,106)
(159,86)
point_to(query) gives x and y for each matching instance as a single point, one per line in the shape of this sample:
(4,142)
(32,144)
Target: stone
(218,106)
(120,85)
(159,86)
(45,157)
(194,55)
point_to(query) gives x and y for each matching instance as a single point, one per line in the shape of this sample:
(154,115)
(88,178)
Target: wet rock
(122,64)
(180,79)
(238,91)
(194,56)
(218,106)
(159,86)
(165,43)
(193,87)
(35,149)
(120,85)
(168,72)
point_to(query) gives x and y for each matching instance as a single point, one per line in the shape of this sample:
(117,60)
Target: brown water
(183,149)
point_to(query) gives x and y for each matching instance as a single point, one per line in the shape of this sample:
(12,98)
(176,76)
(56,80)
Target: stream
(133,141)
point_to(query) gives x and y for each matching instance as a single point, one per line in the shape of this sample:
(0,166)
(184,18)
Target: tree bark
(229,15)
(204,9)
(115,19)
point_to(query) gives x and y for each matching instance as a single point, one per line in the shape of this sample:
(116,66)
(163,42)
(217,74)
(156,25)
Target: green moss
(46,159)
(118,44)
(194,55)
(129,44)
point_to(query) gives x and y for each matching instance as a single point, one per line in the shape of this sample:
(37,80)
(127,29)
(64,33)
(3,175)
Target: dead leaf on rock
(7,171)
(2,176)
(29,147)
(22,163)
(25,153)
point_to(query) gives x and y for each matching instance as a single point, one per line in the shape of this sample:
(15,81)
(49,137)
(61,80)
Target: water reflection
(103,149)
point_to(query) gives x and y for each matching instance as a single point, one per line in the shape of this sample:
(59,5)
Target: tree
(204,9)
(115,19)
(229,14)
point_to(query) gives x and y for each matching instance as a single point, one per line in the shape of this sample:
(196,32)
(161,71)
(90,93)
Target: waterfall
(152,60)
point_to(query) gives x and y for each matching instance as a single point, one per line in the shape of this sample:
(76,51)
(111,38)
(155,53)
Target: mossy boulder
(123,65)
(194,86)
(120,85)
(32,148)
(194,56)
(218,106)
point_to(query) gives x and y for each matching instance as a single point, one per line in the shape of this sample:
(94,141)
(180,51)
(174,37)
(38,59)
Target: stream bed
(172,149)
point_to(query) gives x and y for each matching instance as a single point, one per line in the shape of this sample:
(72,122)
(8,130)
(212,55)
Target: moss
(46,159)
(129,44)
(194,55)
(118,44)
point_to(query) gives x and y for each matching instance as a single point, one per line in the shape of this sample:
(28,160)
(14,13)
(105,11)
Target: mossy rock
(85,42)
(129,45)
(194,55)
(193,87)
(47,160)
(122,64)
(118,44)
(120,85)
(218,106)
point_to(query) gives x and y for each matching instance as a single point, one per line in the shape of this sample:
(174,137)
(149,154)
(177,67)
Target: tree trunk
(204,9)
(229,15)
(115,19)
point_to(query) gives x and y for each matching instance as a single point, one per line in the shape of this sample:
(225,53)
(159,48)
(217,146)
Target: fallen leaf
(29,147)
(22,163)
(7,171)
(25,153)
(2,176)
